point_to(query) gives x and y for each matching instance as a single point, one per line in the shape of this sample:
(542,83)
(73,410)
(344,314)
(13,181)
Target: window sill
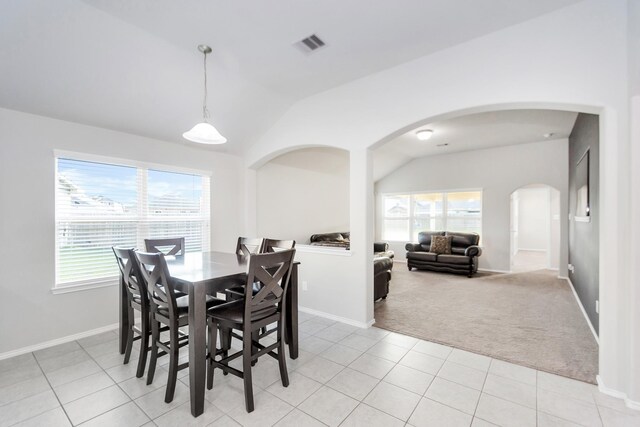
(79,287)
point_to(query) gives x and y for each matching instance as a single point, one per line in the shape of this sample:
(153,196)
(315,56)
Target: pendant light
(204,133)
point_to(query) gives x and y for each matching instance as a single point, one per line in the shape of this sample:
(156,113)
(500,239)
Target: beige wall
(302,193)
(30,313)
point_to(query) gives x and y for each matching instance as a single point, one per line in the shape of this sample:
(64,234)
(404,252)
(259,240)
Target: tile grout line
(52,390)
(116,384)
(430,384)
(482,390)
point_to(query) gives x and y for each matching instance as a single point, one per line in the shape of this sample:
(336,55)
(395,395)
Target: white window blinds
(100,205)
(405,215)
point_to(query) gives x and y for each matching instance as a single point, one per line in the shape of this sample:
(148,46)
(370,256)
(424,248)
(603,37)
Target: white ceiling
(473,132)
(132,65)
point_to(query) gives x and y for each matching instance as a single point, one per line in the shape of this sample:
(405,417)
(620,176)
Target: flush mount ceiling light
(204,133)
(424,134)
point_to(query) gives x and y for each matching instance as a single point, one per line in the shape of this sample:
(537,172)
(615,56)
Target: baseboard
(491,270)
(341,319)
(57,341)
(584,313)
(631,404)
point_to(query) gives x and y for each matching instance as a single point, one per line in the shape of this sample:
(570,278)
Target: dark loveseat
(462,259)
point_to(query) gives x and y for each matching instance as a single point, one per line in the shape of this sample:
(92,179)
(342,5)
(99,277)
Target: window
(100,205)
(405,215)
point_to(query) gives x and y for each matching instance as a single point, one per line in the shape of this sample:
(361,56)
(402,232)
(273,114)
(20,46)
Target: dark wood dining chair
(271,273)
(273,245)
(248,245)
(166,309)
(170,246)
(245,247)
(137,299)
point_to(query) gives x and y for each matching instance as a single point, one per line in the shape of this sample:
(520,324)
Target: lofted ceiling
(133,65)
(474,132)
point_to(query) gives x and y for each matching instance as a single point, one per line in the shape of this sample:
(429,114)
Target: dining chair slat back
(169,246)
(274,245)
(155,273)
(248,245)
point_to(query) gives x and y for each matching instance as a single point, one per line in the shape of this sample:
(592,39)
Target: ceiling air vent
(311,43)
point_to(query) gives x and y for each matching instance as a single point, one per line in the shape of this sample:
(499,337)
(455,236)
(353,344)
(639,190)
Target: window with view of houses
(100,205)
(405,215)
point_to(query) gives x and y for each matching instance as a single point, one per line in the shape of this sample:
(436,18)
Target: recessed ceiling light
(424,134)
(548,135)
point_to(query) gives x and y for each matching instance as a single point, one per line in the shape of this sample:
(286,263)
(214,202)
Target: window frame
(141,167)
(412,216)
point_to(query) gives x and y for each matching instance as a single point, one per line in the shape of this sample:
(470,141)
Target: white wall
(534,211)
(498,172)
(574,59)
(29,313)
(555,242)
(302,193)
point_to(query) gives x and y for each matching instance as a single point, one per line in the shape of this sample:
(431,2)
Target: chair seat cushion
(239,290)
(422,256)
(182,304)
(234,312)
(454,259)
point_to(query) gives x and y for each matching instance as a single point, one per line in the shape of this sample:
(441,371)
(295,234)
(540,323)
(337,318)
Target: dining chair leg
(127,352)
(213,335)
(247,352)
(282,355)
(155,336)
(144,346)
(225,343)
(255,337)
(174,354)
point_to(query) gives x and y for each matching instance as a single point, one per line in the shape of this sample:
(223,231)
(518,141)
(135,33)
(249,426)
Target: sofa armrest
(380,246)
(472,251)
(413,247)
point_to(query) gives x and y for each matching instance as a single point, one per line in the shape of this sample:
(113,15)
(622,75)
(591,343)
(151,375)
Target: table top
(198,267)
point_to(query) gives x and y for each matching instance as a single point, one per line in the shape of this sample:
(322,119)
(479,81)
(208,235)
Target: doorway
(535,228)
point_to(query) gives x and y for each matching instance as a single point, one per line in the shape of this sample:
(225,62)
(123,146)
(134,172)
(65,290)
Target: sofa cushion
(458,251)
(424,238)
(463,240)
(381,264)
(454,259)
(440,244)
(328,237)
(422,256)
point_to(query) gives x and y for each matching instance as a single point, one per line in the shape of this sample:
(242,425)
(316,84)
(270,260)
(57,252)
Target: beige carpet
(531,319)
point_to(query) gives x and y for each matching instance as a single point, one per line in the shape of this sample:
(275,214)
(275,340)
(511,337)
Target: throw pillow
(440,244)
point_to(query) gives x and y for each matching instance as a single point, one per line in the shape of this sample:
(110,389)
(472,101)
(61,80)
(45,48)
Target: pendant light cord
(205,110)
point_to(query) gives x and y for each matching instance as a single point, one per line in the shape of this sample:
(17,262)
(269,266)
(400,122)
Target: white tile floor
(344,376)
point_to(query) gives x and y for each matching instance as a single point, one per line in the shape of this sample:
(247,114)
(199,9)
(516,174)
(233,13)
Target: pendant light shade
(204,133)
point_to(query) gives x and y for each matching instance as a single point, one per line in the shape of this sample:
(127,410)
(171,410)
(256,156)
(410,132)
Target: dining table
(199,274)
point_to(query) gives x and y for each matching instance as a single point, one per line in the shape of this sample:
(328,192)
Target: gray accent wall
(583,236)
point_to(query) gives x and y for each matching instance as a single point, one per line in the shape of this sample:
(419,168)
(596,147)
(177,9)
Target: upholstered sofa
(336,240)
(462,259)
(382,267)
(381,249)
